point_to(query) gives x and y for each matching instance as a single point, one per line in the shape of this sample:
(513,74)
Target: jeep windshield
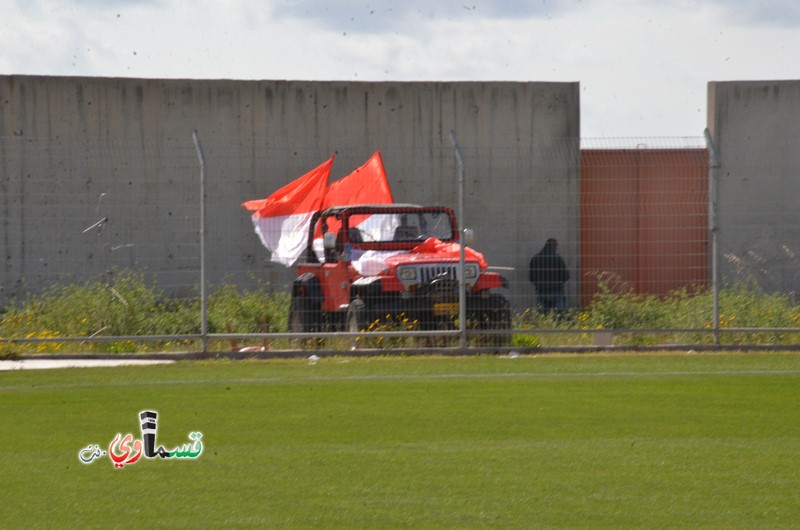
(377,228)
(399,227)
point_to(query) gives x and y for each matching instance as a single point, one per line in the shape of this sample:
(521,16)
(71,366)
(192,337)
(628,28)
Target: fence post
(713,226)
(203,298)
(462,295)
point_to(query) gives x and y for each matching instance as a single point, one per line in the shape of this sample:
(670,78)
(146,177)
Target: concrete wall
(75,150)
(756,127)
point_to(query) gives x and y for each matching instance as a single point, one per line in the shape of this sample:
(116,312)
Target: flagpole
(203,298)
(462,294)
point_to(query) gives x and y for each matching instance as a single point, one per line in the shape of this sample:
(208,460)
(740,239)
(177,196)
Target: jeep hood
(432,250)
(437,249)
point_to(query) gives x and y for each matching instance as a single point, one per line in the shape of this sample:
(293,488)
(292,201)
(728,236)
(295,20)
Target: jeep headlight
(407,274)
(470,272)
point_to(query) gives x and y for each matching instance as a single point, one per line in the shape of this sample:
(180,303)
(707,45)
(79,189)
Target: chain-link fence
(131,248)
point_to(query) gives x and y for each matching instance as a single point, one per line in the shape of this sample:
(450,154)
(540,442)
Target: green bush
(741,306)
(254,311)
(129,306)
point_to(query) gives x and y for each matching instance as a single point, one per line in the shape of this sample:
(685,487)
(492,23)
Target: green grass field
(610,441)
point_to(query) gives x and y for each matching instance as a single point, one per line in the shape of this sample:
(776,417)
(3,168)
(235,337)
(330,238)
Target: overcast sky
(643,66)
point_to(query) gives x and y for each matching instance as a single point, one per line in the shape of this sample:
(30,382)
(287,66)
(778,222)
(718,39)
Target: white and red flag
(282,219)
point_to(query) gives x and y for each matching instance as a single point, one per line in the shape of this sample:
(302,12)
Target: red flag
(365,185)
(282,219)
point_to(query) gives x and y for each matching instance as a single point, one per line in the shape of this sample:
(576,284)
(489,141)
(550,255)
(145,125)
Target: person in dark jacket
(548,274)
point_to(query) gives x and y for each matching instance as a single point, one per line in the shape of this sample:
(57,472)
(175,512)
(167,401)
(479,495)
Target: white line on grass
(47,364)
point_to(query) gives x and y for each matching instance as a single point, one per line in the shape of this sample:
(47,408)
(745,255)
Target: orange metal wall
(644,220)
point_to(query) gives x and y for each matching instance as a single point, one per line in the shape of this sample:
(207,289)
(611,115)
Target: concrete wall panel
(65,142)
(756,127)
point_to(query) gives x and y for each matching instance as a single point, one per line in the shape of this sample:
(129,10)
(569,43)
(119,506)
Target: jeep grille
(425,273)
(429,272)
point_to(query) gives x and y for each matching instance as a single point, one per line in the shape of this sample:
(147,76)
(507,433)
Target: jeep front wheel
(494,313)
(303,319)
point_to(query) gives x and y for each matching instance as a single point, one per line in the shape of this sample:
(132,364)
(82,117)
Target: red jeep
(366,264)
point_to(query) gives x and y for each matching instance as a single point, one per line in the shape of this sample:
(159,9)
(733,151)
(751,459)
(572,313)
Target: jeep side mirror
(467,236)
(329,240)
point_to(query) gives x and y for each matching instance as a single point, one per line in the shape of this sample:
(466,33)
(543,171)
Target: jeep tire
(494,313)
